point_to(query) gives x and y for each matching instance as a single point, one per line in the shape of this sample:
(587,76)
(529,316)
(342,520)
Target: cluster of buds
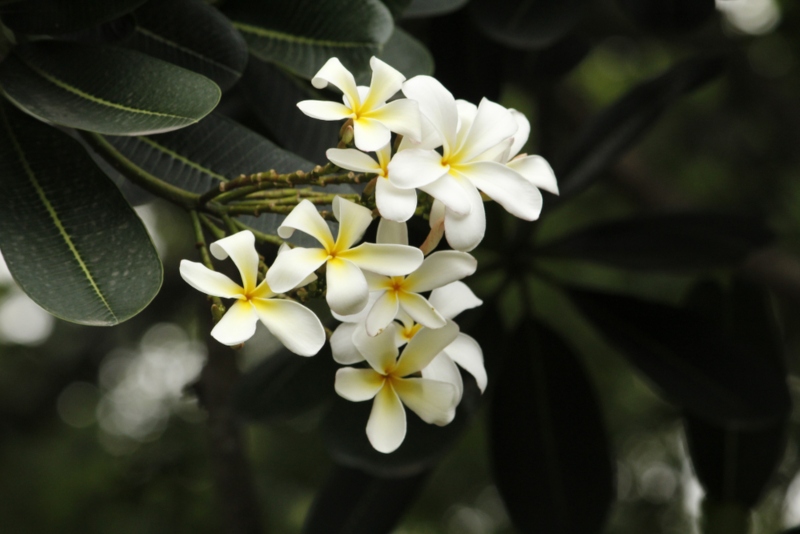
(400,348)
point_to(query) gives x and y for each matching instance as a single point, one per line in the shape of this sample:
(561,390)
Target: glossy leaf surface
(54,17)
(70,240)
(432,8)
(105,89)
(193,35)
(548,442)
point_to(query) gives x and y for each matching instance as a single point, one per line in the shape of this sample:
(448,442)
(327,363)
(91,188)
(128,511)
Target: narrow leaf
(548,442)
(675,241)
(302,35)
(690,360)
(104,89)
(527,24)
(193,35)
(619,127)
(354,502)
(54,17)
(70,240)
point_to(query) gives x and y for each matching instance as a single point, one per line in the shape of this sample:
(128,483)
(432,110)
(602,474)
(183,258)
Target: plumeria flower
(468,163)
(390,383)
(373,118)
(403,292)
(292,323)
(347,291)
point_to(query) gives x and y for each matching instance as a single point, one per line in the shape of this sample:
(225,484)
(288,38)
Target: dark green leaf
(345,435)
(397,7)
(406,54)
(286,385)
(548,441)
(353,502)
(105,89)
(527,24)
(670,15)
(690,360)
(676,241)
(735,465)
(193,35)
(273,95)
(795,530)
(54,17)
(70,240)
(621,126)
(302,35)
(432,8)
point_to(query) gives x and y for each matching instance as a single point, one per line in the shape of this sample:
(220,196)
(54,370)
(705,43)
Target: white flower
(293,324)
(402,292)
(347,290)
(373,118)
(535,169)
(468,163)
(389,383)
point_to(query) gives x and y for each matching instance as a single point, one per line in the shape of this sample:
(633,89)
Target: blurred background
(99,432)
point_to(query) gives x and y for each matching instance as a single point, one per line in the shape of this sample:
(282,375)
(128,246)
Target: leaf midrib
(54,214)
(161,39)
(183,159)
(272,34)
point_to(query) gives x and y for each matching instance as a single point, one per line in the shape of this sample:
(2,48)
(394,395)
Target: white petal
(384,157)
(293,267)
(352,160)
(466,115)
(448,191)
(465,232)
(523,131)
(443,369)
(353,222)
(386,428)
(437,104)
(297,327)
(335,73)
(361,316)
(394,203)
(306,218)
(382,313)
(423,347)
(241,247)
(537,171)
(431,138)
(325,110)
(421,310)
(389,260)
(506,187)
(342,346)
(392,233)
(377,284)
(416,167)
(467,353)
(370,134)
(492,125)
(209,282)
(401,116)
(237,325)
(434,402)
(347,291)
(452,299)
(386,81)
(358,384)
(380,351)
(439,269)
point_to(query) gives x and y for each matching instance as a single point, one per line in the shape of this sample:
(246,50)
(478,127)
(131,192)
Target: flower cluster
(400,348)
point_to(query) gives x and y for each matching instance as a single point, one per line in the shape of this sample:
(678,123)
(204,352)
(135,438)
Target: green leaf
(302,35)
(675,241)
(105,89)
(690,360)
(527,24)
(432,8)
(344,431)
(622,125)
(286,385)
(406,54)
(354,502)
(54,17)
(192,35)
(396,7)
(548,443)
(273,95)
(70,240)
